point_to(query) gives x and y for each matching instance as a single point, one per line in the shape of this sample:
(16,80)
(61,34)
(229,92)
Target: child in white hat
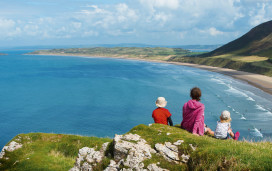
(223,127)
(161,115)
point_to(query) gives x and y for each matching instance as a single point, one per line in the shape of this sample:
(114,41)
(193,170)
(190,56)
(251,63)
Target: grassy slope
(58,152)
(258,41)
(42,151)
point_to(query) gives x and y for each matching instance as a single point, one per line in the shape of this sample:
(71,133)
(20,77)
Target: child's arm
(231,133)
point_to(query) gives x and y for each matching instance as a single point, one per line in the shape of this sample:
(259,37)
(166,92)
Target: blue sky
(156,22)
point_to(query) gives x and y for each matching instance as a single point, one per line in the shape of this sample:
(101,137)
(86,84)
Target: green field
(253,64)
(58,152)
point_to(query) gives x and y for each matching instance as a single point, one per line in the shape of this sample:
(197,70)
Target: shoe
(236,135)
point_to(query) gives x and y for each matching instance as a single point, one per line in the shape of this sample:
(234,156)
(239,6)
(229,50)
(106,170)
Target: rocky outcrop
(130,150)
(10,147)
(88,157)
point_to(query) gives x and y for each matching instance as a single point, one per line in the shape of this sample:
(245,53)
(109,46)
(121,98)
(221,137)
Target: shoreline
(260,81)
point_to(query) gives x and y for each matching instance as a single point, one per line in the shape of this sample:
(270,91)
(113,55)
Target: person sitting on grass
(193,114)
(223,127)
(161,115)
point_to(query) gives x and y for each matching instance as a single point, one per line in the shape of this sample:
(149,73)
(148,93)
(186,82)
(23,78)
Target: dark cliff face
(256,42)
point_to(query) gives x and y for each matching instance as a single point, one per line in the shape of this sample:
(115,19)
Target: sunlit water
(102,97)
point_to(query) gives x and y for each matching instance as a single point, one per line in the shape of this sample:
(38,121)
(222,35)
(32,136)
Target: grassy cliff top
(42,151)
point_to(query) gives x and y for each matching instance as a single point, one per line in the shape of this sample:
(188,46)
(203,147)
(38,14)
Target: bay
(103,96)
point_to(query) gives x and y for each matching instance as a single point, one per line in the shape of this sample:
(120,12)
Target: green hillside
(257,42)
(42,151)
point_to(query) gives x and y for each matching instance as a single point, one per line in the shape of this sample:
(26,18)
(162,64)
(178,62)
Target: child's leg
(208,130)
(234,136)
(231,134)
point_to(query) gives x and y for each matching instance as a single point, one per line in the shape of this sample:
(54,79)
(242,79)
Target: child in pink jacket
(193,114)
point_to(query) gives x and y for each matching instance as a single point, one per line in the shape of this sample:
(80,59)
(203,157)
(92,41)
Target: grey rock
(178,142)
(113,166)
(167,153)
(154,167)
(192,147)
(89,157)
(86,167)
(171,146)
(185,158)
(10,147)
(133,153)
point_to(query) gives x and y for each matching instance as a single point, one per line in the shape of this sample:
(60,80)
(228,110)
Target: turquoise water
(102,97)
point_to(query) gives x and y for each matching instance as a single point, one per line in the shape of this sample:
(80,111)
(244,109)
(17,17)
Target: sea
(104,96)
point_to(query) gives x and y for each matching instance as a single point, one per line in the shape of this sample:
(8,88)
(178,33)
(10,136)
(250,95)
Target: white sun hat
(225,116)
(161,102)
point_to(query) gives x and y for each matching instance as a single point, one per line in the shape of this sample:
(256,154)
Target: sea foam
(256,133)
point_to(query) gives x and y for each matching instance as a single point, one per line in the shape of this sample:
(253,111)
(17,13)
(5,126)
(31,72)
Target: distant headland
(243,58)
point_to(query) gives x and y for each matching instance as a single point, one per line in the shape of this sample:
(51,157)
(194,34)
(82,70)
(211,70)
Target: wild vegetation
(58,152)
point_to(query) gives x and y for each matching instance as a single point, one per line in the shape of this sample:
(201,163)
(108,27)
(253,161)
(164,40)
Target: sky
(153,22)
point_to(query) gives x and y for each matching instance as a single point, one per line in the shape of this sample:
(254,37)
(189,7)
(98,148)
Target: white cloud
(162,17)
(6,23)
(8,29)
(178,21)
(90,33)
(258,17)
(214,32)
(170,4)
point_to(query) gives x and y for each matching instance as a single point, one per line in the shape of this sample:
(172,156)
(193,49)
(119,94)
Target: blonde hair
(225,117)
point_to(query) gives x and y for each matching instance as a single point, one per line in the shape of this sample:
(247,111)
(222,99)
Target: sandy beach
(260,81)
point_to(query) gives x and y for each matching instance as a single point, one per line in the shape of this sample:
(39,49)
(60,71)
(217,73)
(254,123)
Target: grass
(42,151)
(211,153)
(252,64)
(242,58)
(158,53)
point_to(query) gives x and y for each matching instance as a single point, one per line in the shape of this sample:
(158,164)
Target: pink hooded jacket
(193,117)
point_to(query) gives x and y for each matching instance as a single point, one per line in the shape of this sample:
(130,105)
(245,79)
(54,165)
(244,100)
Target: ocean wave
(239,93)
(256,133)
(218,81)
(260,107)
(243,118)
(250,99)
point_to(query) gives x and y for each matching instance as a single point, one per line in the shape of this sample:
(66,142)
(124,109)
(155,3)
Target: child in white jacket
(223,127)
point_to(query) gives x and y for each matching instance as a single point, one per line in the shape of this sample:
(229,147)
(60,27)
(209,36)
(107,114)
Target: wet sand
(260,81)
